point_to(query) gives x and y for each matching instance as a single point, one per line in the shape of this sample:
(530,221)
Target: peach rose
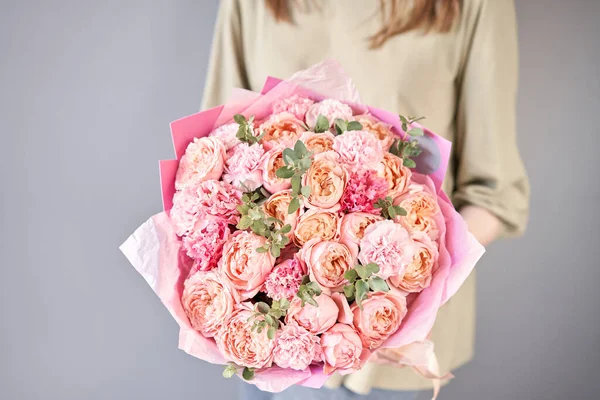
(352,227)
(327,262)
(273,160)
(316,320)
(422,210)
(388,245)
(329,108)
(295,347)
(245,268)
(207,300)
(239,344)
(380,317)
(317,142)
(317,223)
(327,180)
(379,129)
(358,149)
(343,350)
(418,273)
(281,130)
(396,174)
(277,205)
(204,159)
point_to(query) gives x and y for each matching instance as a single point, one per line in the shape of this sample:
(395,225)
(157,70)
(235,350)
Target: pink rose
(343,350)
(380,317)
(281,130)
(396,175)
(353,227)
(329,108)
(227,133)
(273,160)
(277,206)
(317,223)
(381,130)
(314,319)
(327,180)
(207,300)
(327,262)
(345,316)
(364,188)
(295,347)
(358,149)
(239,344)
(284,280)
(418,273)
(205,242)
(203,160)
(243,166)
(219,199)
(295,105)
(245,268)
(317,142)
(388,245)
(423,211)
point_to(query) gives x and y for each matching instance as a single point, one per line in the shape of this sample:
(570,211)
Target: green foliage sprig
(360,279)
(245,131)
(307,292)
(388,209)
(297,162)
(341,126)
(267,316)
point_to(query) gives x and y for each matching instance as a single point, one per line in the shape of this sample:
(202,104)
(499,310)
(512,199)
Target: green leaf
(400,211)
(248,373)
(378,285)
(255,214)
(305,279)
(275,251)
(229,371)
(240,119)
(409,163)
(285,229)
(361,270)
(289,156)
(262,250)
(391,212)
(314,288)
(349,291)
(245,223)
(354,126)
(415,132)
(284,173)
(300,149)
(296,182)
(271,333)
(284,304)
(322,124)
(372,268)
(338,130)
(351,276)
(294,205)
(341,125)
(312,302)
(304,163)
(306,191)
(270,320)
(403,119)
(362,288)
(262,307)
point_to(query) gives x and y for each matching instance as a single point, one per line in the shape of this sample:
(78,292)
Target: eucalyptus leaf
(391,212)
(378,285)
(262,250)
(275,251)
(248,373)
(361,271)
(245,223)
(286,228)
(289,156)
(284,173)
(304,163)
(351,275)
(239,119)
(262,307)
(294,205)
(322,124)
(400,211)
(415,132)
(229,371)
(362,288)
(409,163)
(349,291)
(372,268)
(296,182)
(300,149)
(271,333)
(269,319)
(354,126)
(306,191)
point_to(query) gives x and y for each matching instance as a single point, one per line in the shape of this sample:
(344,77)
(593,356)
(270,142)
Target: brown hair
(398,16)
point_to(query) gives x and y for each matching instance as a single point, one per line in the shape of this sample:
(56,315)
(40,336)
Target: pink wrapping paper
(154,250)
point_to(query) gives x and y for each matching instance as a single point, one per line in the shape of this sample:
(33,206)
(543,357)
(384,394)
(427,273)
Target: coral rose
(317,223)
(327,180)
(343,350)
(317,142)
(396,175)
(353,225)
(277,205)
(203,160)
(418,273)
(314,319)
(327,262)
(380,317)
(281,130)
(423,211)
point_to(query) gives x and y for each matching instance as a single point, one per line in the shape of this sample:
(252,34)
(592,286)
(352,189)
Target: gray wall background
(87,90)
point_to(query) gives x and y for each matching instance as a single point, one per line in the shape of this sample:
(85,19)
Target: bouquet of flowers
(303,233)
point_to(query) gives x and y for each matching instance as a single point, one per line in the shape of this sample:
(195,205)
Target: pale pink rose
(327,262)
(295,104)
(273,160)
(329,108)
(418,273)
(281,130)
(364,188)
(423,211)
(277,206)
(358,149)
(327,180)
(203,160)
(245,268)
(219,199)
(284,280)
(380,317)
(317,223)
(396,175)
(243,166)
(318,142)
(207,300)
(295,347)
(345,316)
(239,344)
(205,242)
(352,228)
(314,319)
(381,130)
(343,351)
(388,245)
(227,133)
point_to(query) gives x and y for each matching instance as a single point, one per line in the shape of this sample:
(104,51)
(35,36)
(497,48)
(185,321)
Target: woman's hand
(484,225)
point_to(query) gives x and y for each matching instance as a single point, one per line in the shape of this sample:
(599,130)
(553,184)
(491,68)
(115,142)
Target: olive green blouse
(464,82)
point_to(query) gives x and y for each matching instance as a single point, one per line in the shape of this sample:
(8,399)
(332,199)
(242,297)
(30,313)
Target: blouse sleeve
(226,69)
(490,173)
